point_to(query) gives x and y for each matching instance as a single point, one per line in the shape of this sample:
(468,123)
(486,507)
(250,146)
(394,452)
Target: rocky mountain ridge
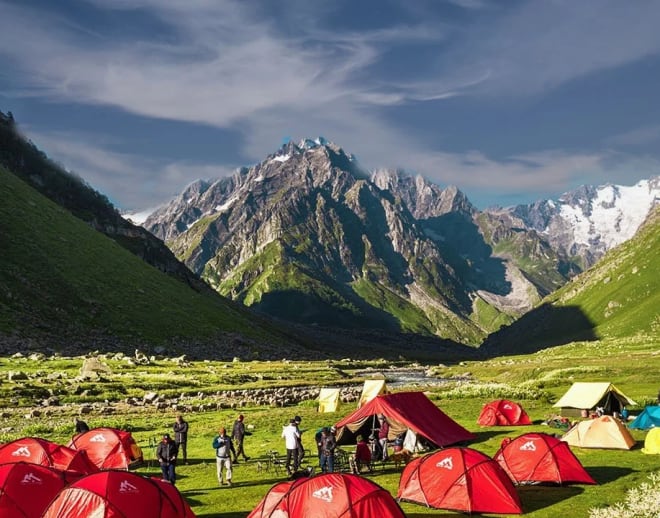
(307,235)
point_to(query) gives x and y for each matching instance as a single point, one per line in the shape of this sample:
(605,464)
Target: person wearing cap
(223,446)
(180,429)
(291,436)
(237,435)
(327,447)
(166,454)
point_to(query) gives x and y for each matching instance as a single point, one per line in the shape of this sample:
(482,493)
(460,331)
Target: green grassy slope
(61,278)
(618,297)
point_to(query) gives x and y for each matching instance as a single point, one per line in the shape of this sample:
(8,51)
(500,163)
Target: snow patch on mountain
(615,214)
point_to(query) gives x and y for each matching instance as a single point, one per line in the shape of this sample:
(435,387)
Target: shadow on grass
(485,435)
(235,514)
(545,326)
(606,474)
(534,498)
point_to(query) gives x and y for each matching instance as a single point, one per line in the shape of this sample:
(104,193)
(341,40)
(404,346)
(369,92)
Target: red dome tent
(117,493)
(274,496)
(109,448)
(503,412)
(333,495)
(181,504)
(403,410)
(26,489)
(460,479)
(46,453)
(541,458)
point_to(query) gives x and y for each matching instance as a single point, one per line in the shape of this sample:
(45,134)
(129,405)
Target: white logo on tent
(127,487)
(99,437)
(507,406)
(23,451)
(325,493)
(528,446)
(31,478)
(446,463)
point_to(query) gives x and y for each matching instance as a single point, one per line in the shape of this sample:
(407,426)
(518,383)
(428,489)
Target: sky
(511,101)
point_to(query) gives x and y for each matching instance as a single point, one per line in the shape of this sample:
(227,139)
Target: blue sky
(511,101)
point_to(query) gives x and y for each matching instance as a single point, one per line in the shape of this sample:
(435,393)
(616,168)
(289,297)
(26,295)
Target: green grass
(58,274)
(535,380)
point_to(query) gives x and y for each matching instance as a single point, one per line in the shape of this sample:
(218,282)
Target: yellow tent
(328,400)
(587,396)
(601,432)
(652,442)
(371,389)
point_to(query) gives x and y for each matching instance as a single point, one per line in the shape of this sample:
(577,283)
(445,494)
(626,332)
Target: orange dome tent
(540,458)
(26,489)
(117,493)
(503,412)
(109,448)
(46,453)
(601,432)
(459,479)
(333,495)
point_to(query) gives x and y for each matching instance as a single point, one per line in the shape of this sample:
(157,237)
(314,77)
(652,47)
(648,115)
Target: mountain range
(308,236)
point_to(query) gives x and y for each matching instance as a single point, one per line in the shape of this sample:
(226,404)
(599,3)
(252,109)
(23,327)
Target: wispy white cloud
(542,45)
(131,181)
(224,64)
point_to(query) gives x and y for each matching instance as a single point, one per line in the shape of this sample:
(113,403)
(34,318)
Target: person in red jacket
(362,457)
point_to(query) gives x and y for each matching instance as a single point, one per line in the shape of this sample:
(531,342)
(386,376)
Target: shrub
(640,502)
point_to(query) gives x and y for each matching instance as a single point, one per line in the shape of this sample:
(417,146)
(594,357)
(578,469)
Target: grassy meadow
(535,380)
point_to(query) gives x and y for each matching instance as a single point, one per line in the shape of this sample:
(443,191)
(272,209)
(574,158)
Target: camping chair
(274,462)
(342,464)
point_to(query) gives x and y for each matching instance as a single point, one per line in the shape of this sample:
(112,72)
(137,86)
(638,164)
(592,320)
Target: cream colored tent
(588,396)
(602,432)
(328,400)
(371,389)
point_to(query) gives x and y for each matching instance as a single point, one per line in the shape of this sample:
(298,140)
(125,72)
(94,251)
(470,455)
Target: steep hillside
(65,286)
(23,159)
(619,297)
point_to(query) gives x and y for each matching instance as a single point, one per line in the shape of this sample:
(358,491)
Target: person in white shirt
(291,436)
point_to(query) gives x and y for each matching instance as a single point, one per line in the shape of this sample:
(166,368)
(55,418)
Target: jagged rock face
(306,235)
(584,224)
(308,227)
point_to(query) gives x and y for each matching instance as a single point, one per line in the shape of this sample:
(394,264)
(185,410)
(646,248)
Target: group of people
(168,449)
(228,448)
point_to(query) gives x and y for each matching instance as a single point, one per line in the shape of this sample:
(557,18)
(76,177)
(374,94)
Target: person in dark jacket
(80,426)
(166,454)
(237,435)
(327,447)
(180,428)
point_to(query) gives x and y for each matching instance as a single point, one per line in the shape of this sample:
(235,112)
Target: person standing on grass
(180,428)
(166,454)
(291,436)
(80,426)
(327,447)
(383,431)
(222,445)
(301,448)
(237,435)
